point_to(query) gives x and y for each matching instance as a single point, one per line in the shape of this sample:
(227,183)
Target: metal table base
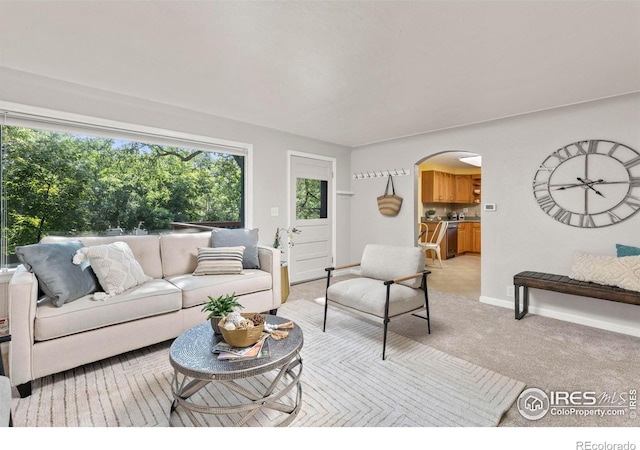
(288,378)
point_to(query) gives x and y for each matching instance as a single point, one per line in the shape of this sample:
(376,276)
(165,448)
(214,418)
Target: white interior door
(311,217)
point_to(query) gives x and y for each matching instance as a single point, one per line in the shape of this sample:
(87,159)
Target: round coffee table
(196,366)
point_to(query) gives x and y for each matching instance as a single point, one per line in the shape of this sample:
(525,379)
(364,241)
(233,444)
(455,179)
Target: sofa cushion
(180,252)
(115,266)
(368,295)
(59,279)
(219,261)
(234,237)
(195,289)
(152,298)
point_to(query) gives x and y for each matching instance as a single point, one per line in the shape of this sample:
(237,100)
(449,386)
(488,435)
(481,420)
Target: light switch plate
(274,211)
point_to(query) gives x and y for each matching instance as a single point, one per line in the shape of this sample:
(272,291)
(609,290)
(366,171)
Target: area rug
(345,383)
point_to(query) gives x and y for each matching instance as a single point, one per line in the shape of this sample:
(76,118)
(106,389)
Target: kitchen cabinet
(449,190)
(475,237)
(469,237)
(476,185)
(437,187)
(444,187)
(464,189)
(464,237)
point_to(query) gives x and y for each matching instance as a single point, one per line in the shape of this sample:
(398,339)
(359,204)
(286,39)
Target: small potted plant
(219,307)
(431,214)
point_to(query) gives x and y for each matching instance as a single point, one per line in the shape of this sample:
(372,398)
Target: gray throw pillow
(59,279)
(236,237)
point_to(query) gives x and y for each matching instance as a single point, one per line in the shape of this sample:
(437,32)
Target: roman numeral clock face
(589,184)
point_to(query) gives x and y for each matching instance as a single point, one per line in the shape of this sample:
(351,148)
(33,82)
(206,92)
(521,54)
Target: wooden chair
(393,282)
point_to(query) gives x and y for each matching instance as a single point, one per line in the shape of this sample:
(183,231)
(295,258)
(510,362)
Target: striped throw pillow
(219,260)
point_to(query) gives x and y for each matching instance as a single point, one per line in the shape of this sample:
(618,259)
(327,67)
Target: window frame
(13,114)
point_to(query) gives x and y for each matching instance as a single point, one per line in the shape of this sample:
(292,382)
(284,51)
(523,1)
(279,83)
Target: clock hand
(589,185)
(567,186)
(581,184)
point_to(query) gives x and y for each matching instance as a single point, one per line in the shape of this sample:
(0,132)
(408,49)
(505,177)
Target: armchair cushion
(368,295)
(387,262)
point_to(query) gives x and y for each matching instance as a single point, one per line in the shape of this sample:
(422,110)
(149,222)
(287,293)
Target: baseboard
(573,318)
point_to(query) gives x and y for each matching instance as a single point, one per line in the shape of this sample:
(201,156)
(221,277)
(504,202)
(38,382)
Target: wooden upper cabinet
(449,187)
(443,187)
(432,187)
(464,189)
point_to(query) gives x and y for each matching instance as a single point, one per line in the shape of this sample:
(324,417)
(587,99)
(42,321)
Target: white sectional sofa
(48,339)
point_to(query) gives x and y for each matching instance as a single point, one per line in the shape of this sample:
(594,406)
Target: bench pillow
(115,266)
(627,250)
(622,272)
(58,278)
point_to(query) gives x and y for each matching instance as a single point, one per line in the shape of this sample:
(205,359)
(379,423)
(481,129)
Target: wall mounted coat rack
(380,174)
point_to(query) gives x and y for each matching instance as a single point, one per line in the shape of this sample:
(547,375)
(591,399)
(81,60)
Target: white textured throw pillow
(623,272)
(115,266)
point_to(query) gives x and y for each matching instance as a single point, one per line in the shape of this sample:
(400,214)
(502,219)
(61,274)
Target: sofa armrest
(23,300)
(270,262)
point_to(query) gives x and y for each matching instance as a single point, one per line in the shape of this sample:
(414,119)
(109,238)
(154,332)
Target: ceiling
(345,72)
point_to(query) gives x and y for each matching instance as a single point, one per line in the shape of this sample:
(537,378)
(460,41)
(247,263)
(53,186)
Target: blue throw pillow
(236,237)
(626,250)
(59,279)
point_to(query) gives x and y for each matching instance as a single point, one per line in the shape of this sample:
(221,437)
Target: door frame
(334,197)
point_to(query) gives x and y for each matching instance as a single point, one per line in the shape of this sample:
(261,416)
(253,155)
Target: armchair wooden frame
(386,319)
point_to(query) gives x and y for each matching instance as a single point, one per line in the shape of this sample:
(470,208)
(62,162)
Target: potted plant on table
(219,307)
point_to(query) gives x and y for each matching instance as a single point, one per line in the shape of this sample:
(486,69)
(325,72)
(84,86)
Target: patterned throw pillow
(219,260)
(623,272)
(115,266)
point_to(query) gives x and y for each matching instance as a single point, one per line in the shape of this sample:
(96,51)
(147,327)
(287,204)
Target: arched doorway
(449,188)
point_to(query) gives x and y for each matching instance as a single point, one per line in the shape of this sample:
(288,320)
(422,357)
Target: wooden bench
(566,285)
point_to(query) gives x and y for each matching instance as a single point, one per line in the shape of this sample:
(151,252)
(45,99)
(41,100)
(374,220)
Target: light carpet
(345,383)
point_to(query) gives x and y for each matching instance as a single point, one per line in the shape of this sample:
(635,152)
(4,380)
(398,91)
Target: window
(64,183)
(311,198)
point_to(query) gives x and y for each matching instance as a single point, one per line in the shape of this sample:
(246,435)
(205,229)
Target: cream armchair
(392,283)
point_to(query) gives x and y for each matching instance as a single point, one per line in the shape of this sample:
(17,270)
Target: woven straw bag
(389,204)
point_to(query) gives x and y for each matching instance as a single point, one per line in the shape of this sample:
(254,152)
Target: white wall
(518,236)
(269,146)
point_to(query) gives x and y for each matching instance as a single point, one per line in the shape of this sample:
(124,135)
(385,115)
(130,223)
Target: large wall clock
(589,184)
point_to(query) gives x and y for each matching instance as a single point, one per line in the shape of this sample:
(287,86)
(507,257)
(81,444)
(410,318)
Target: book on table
(258,350)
